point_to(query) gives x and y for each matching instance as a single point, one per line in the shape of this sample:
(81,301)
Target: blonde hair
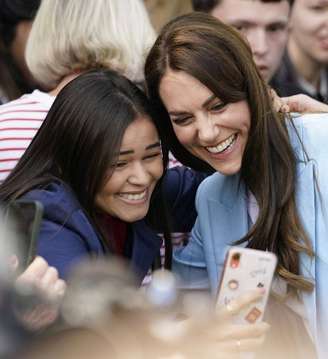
(70,36)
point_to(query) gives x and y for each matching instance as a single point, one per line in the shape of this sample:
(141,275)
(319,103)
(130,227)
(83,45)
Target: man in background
(264,23)
(304,67)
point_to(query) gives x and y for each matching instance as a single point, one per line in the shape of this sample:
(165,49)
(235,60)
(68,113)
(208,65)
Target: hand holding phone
(24,217)
(245,271)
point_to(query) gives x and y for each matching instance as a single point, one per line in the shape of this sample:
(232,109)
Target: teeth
(223,145)
(135,196)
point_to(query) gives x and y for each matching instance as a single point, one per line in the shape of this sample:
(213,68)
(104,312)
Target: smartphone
(245,270)
(24,217)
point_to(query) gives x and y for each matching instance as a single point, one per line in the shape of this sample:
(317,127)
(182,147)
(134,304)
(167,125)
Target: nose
(208,130)
(259,42)
(140,176)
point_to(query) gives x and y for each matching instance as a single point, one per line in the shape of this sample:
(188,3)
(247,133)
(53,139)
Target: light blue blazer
(221,204)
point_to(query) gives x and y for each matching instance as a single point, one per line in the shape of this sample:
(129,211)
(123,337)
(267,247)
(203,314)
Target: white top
(19,121)
(312,90)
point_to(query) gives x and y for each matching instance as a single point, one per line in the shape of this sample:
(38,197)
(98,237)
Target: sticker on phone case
(233,284)
(235,260)
(252,316)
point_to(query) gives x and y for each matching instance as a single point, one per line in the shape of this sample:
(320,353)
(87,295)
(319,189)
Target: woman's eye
(182,121)
(317,8)
(239,27)
(217,107)
(120,164)
(154,155)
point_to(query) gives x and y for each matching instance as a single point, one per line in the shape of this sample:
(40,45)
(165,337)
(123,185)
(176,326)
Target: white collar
(308,87)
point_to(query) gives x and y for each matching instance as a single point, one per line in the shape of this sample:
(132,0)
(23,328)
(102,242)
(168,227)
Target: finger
(243,301)
(294,103)
(48,281)
(277,102)
(241,345)
(239,331)
(285,109)
(223,349)
(59,288)
(35,271)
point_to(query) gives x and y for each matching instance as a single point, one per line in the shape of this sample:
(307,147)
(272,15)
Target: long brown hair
(217,56)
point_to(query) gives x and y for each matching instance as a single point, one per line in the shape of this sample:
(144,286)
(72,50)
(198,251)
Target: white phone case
(245,270)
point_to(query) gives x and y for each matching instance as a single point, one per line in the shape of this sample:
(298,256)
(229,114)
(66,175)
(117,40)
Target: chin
(228,171)
(134,217)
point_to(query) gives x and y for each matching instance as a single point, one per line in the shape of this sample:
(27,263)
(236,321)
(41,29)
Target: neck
(304,65)
(62,84)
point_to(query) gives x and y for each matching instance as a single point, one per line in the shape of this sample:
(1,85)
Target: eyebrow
(282,21)
(204,105)
(150,147)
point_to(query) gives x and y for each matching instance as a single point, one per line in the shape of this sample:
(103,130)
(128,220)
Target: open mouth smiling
(134,197)
(222,146)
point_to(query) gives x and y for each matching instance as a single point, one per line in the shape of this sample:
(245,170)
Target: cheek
(184,135)
(113,185)
(158,170)
(278,42)
(305,28)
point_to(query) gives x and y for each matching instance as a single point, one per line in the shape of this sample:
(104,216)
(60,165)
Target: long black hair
(79,140)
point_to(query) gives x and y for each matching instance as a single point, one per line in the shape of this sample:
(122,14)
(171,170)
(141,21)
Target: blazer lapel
(229,222)
(305,201)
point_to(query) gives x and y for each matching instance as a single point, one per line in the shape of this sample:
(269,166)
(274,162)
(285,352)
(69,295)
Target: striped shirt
(19,121)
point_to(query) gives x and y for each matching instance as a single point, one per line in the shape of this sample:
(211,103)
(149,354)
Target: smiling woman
(127,192)
(96,165)
(210,129)
(270,191)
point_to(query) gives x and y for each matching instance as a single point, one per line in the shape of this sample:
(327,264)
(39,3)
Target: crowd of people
(129,138)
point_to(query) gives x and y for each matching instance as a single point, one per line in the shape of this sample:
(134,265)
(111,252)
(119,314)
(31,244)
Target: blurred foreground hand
(107,316)
(40,282)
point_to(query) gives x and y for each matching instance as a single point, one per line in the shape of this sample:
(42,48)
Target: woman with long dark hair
(269,191)
(96,166)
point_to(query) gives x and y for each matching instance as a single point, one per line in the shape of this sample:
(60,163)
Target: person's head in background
(16,18)
(308,40)
(99,139)
(161,12)
(263,22)
(72,36)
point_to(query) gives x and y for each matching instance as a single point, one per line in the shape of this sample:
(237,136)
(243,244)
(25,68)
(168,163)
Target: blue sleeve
(189,263)
(60,246)
(180,187)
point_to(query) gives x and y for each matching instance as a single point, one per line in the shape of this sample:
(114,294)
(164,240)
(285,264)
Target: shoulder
(181,181)
(215,188)
(309,123)
(34,102)
(56,198)
(213,185)
(309,133)
(66,230)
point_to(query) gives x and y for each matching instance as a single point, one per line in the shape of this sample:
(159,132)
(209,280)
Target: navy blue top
(67,235)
